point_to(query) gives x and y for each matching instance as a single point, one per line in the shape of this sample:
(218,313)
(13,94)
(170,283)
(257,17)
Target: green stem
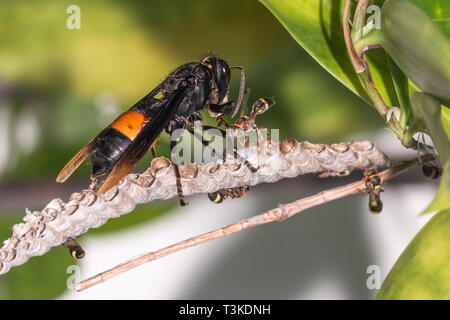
(359,20)
(380,106)
(401,88)
(375,37)
(354,47)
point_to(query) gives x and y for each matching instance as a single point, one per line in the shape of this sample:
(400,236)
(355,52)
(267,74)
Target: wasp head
(221,73)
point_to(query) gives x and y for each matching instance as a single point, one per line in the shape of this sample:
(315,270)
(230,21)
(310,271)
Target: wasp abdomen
(109,149)
(130,123)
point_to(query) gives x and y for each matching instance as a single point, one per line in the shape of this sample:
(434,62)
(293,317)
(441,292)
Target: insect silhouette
(187,90)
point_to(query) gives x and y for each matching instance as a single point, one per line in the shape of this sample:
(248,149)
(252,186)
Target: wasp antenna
(241,90)
(245,102)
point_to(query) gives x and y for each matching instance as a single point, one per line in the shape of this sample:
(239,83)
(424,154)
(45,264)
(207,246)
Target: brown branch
(282,212)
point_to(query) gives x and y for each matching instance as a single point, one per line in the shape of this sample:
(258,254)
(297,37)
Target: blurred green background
(60,87)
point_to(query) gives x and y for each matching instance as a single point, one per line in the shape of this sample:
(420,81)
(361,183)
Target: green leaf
(421,272)
(441,200)
(417,45)
(316,26)
(402,89)
(439,11)
(427,109)
(445,120)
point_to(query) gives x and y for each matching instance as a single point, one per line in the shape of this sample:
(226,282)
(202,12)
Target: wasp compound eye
(431,171)
(215,197)
(375,206)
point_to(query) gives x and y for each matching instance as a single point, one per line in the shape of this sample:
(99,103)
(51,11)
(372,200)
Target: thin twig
(60,221)
(282,212)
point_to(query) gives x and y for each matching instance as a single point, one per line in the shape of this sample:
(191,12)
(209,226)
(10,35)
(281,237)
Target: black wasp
(374,188)
(187,90)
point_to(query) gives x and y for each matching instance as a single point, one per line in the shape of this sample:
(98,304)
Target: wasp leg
(235,154)
(222,109)
(179,186)
(206,144)
(221,122)
(173,143)
(244,106)
(219,111)
(219,108)
(223,133)
(241,90)
(153,150)
(219,196)
(75,250)
(239,192)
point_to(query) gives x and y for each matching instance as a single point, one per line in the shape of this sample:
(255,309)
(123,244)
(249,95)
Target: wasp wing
(75,162)
(148,97)
(143,141)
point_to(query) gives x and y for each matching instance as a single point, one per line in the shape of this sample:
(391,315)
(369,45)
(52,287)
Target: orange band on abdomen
(130,123)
